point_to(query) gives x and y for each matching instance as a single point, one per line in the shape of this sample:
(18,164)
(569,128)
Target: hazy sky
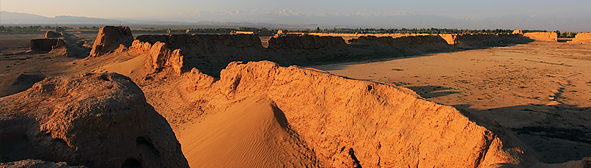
(572,15)
(153,8)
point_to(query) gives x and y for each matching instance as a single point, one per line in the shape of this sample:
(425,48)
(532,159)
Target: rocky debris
(582,38)
(30,163)
(542,36)
(45,44)
(110,38)
(52,34)
(93,120)
(289,41)
(352,123)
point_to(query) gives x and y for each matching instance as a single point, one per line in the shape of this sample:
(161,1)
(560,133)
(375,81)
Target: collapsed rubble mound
(582,38)
(349,123)
(308,42)
(94,120)
(110,38)
(45,44)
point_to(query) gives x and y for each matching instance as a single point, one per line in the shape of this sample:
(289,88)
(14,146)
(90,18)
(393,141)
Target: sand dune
(250,133)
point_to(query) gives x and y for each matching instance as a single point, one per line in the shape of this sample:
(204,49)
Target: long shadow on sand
(559,133)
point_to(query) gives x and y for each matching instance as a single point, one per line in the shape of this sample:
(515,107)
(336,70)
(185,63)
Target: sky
(177,9)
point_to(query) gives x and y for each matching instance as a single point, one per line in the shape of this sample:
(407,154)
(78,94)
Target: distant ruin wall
(45,44)
(405,43)
(542,36)
(582,38)
(52,34)
(482,40)
(110,38)
(305,42)
(208,52)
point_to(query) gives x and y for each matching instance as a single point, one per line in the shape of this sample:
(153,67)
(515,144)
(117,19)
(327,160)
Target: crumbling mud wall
(582,38)
(352,123)
(45,44)
(405,43)
(308,42)
(542,36)
(208,52)
(92,120)
(110,38)
(468,41)
(160,56)
(52,34)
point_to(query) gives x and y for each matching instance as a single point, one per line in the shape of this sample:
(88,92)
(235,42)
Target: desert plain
(125,99)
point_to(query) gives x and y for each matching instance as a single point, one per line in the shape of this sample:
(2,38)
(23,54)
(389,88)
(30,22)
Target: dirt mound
(110,38)
(582,38)
(305,42)
(52,34)
(542,36)
(45,44)
(95,120)
(344,122)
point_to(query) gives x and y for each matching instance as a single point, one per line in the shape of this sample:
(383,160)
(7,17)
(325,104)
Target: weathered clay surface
(95,120)
(110,38)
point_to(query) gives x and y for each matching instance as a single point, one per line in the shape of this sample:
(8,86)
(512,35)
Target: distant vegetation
(565,34)
(25,29)
(208,29)
(405,30)
(28,29)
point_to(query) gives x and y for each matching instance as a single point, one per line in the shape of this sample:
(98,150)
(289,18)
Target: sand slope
(251,133)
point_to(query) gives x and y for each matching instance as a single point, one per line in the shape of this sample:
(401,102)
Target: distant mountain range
(25,18)
(290,19)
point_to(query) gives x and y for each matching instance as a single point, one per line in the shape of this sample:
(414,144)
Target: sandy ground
(541,90)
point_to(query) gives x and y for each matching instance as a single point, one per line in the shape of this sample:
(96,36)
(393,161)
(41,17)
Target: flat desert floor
(540,90)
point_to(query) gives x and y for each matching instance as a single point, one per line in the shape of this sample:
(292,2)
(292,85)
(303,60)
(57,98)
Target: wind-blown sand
(541,90)
(258,133)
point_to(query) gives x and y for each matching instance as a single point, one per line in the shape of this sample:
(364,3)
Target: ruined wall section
(542,36)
